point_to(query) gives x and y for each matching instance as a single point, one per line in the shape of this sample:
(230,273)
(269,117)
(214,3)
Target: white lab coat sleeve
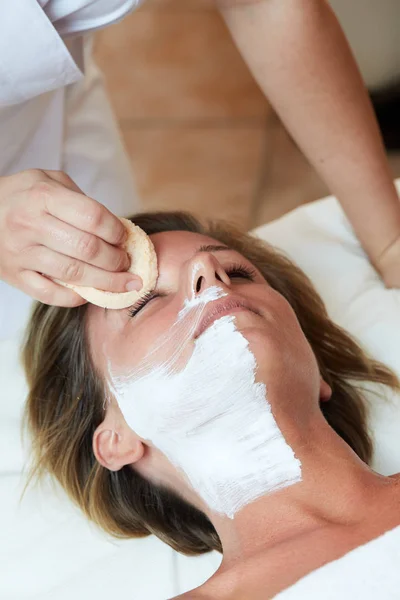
(93,152)
(33,57)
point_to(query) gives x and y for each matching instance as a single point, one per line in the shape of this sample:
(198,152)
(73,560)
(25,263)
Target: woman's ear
(325,391)
(115,445)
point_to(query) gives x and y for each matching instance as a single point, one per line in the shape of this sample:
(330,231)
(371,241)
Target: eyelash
(234,271)
(142,303)
(240,270)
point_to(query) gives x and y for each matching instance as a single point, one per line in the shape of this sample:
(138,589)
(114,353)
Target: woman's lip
(220,308)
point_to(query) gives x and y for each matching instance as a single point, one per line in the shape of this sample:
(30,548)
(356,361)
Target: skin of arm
(301,59)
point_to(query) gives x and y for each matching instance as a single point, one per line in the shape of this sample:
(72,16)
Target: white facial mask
(210,418)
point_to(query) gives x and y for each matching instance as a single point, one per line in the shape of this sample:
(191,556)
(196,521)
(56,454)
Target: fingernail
(134,285)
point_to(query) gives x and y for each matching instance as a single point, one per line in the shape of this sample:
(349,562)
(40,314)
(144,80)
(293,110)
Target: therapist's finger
(40,288)
(64,179)
(81,212)
(25,180)
(69,270)
(73,242)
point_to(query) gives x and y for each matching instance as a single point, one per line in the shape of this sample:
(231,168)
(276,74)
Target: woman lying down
(224,411)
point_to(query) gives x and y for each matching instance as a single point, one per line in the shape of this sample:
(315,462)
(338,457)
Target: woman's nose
(205,272)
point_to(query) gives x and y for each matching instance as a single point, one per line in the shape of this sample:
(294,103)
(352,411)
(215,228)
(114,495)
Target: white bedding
(370,572)
(47,550)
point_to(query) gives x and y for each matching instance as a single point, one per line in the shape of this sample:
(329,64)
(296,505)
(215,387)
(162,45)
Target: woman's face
(189,263)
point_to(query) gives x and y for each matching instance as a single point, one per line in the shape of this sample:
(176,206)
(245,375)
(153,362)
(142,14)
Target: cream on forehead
(209,416)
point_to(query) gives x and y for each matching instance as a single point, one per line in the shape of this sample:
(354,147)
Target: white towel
(370,572)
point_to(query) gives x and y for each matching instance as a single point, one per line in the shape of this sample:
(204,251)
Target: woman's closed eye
(133,310)
(240,271)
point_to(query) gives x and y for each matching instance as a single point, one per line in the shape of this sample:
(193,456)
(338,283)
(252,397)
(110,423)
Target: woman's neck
(337,488)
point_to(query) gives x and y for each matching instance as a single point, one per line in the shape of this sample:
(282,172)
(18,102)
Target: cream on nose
(207,272)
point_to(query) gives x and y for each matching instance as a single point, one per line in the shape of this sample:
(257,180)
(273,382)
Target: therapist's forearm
(301,59)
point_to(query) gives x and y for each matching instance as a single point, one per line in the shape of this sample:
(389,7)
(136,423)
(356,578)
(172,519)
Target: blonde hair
(66,399)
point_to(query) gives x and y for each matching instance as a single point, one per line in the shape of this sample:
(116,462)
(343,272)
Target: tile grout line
(261,178)
(192,123)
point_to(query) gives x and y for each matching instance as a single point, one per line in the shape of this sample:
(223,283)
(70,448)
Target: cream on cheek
(127,342)
(199,403)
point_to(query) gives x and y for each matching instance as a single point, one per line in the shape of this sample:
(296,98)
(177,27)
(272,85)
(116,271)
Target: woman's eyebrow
(213,248)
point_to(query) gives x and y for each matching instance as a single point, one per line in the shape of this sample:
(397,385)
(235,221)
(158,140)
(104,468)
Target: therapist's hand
(49,228)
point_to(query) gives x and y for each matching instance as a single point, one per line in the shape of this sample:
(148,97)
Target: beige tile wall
(199,132)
